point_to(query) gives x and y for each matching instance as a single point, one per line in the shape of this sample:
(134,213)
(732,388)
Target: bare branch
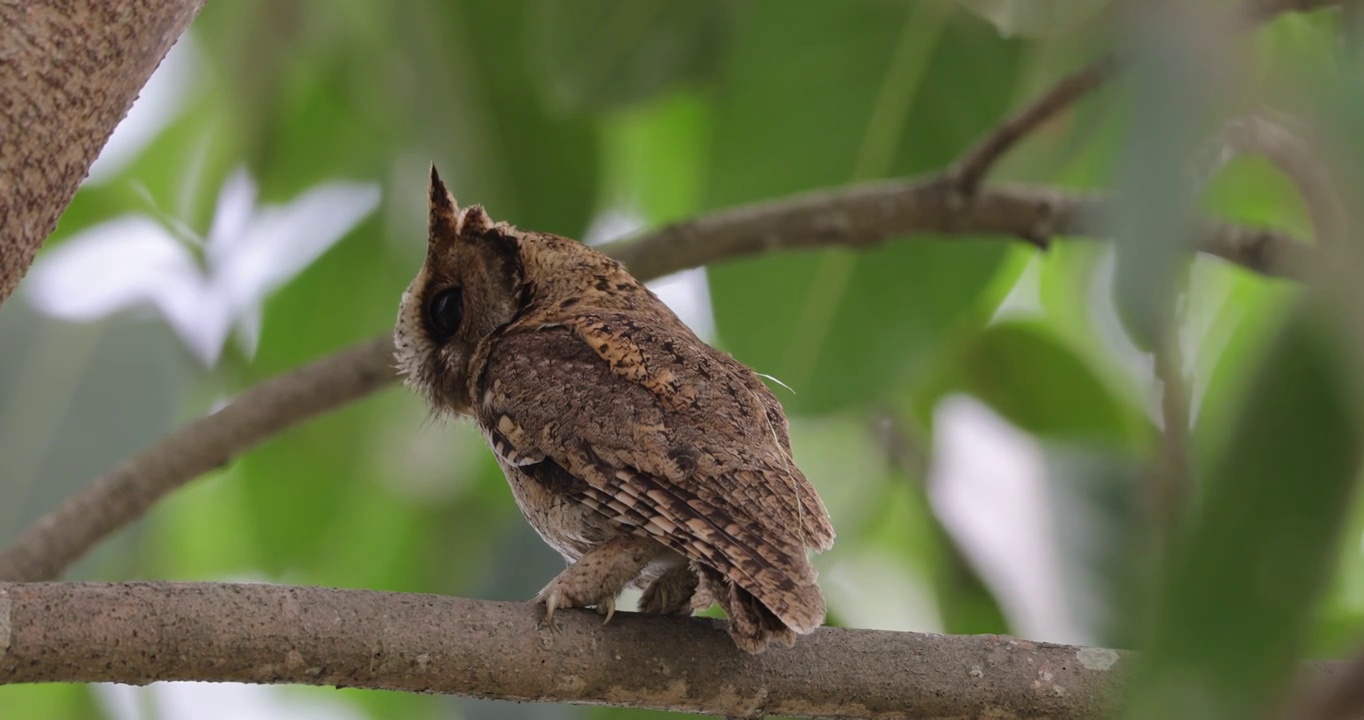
(1170,478)
(142,632)
(126,492)
(865,215)
(70,71)
(856,216)
(1338,695)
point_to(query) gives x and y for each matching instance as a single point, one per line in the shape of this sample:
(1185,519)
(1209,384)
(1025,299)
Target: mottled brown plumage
(640,453)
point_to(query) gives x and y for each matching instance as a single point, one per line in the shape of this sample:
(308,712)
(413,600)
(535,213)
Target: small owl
(644,456)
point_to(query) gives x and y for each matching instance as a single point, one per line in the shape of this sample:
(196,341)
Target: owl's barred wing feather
(745,429)
(724,494)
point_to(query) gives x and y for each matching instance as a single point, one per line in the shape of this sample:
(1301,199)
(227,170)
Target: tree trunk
(69,71)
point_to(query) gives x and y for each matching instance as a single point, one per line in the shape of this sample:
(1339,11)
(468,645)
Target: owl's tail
(753,625)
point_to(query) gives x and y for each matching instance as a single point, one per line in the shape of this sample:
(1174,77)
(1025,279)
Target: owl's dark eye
(444,312)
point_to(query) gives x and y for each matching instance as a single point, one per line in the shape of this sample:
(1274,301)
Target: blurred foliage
(556,113)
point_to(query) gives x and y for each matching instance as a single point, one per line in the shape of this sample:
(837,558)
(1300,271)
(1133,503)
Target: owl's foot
(598,577)
(671,593)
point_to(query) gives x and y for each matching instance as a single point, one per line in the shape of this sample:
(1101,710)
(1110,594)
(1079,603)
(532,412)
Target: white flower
(136,262)
(988,486)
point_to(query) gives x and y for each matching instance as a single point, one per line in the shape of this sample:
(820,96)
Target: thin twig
(1169,486)
(975,164)
(855,216)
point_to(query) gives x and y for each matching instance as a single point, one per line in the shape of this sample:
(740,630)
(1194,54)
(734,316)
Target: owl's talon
(552,600)
(607,607)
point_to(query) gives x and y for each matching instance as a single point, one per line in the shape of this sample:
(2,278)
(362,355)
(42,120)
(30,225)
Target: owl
(641,454)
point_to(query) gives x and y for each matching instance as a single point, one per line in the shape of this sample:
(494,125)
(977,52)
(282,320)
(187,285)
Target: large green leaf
(1024,370)
(817,94)
(656,154)
(1153,215)
(1241,587)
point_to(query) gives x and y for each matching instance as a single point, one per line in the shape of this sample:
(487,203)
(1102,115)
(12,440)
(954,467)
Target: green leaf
(594,55)
(1028,374)
(816,94)
(655,156)
(50,701)
(484,118)
(1153,216)
(1241,587)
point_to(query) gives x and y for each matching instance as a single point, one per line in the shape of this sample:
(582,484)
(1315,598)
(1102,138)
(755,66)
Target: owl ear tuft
(445,215)
(475,221)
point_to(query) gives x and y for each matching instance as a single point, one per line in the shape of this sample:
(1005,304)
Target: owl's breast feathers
(671,439)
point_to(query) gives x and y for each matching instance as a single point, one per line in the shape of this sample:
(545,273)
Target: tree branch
(1339,696)
(70,70)
(865,215)
(971,169)
(142,632)
(125,493)
(852,217)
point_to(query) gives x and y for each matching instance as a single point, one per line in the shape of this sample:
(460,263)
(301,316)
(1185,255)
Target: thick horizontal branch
(851,217)
(143,632)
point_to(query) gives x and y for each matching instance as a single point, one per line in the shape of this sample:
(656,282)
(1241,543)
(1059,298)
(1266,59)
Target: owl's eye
(444,312)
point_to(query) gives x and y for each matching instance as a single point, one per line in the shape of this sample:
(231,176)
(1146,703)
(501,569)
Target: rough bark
(143,632)
(69,71)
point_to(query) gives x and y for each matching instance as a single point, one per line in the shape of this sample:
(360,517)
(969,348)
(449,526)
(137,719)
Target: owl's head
(470,285)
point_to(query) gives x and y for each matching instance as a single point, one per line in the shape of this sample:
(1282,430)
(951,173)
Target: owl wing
(668,438)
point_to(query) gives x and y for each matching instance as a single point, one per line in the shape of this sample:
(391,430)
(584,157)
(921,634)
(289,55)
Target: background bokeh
(974,412)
